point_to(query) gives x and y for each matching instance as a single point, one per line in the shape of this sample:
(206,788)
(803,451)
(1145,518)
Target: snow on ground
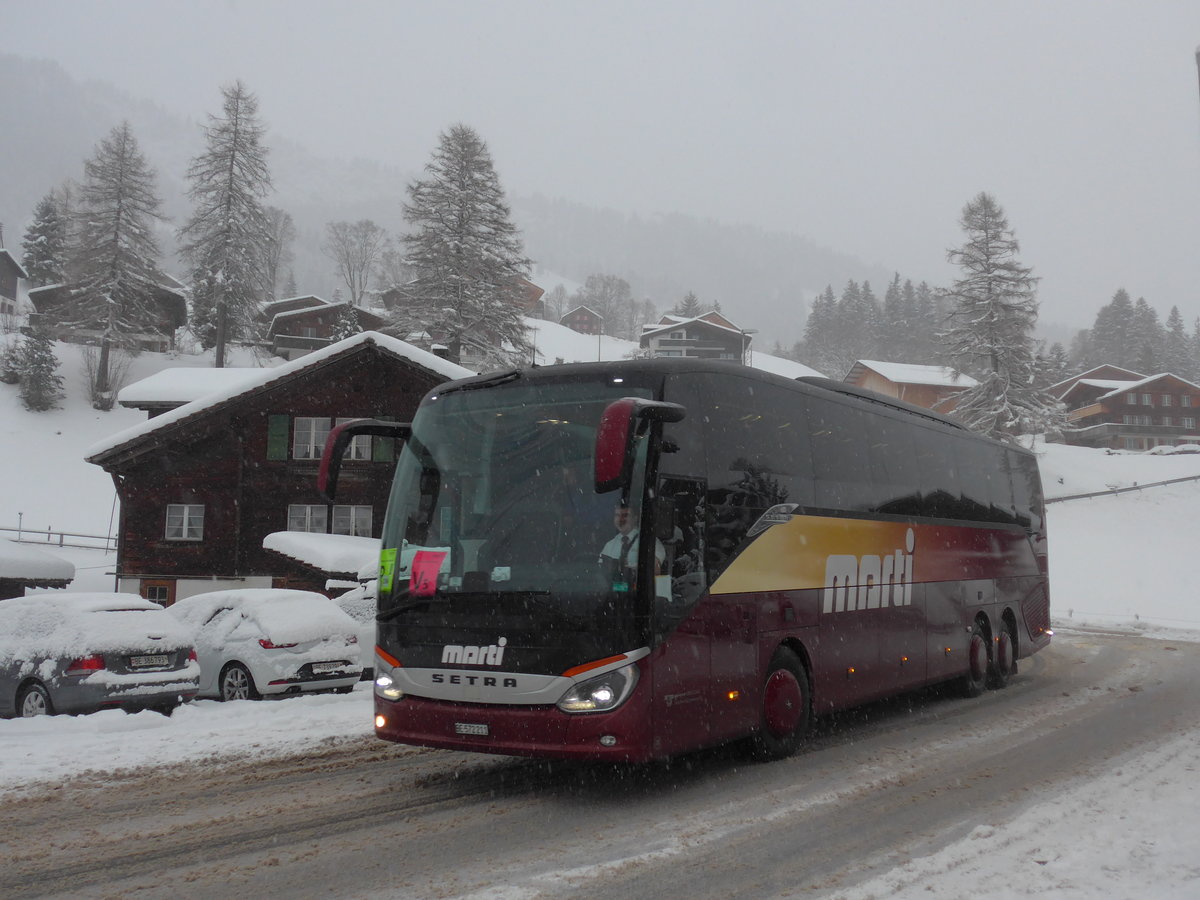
(1119,560)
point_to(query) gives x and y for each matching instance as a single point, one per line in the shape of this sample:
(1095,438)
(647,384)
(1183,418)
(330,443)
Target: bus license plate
(145,662)
(471,728)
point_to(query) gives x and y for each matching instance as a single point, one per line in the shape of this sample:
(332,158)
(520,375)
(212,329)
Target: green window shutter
(383,449)
(277,437)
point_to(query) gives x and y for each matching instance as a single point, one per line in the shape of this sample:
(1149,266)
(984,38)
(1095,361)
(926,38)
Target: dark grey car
(80,653)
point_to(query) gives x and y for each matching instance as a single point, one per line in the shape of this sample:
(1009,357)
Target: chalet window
(1185,400)
(360,447)
(311,518)
(159,590)
(1129,420)
(308,439)
(1166,400)
(185,522)
(1131,399)
(1147,399)
(355,520)
(1166,420)
(1188,421)
(677,335)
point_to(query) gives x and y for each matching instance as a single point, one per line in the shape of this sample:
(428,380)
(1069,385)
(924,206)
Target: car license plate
(145,662)
(471,728)
(326,668)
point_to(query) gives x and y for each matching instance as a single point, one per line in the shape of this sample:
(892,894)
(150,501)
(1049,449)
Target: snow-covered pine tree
(346,325)
(227,239)
(1110,342)
(113,272)
(1146,337)
(44,247)
(41,385)
(467,254)
(817,348)
(991,329)
(1177,356)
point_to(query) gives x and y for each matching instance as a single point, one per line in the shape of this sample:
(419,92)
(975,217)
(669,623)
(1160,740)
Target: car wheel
(235,683)
(34,700)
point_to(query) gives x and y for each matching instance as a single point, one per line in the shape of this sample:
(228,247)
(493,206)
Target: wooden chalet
(1131,413)
(933,387)
(584,320)
(10,273)
(157,332)
(201,485)
(299,325)
(710,336)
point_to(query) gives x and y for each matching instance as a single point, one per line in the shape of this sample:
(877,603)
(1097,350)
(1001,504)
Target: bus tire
(785,709)
(1003,664)
(979,662)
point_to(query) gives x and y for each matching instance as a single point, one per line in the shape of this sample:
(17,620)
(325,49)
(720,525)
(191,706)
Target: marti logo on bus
(491,655)
(869,582)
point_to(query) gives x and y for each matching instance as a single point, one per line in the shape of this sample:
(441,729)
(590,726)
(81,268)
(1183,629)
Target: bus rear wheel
(979,663)
(1003,663)
(786,707)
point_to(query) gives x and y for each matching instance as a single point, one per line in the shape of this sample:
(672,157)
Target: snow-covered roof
(181,385)
(676,322)
(21,273)
(24,563)
(1129,386)
(912,373)
(1107,384)
(777,365)
(264,377)
(334,554)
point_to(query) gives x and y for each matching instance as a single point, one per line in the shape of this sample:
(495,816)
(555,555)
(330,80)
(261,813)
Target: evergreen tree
(467,254)
(1146,338)
(1110,333)
(816,350)
(991,334)
(44,248)
(1177,350)
(689,306)
(114,270)
(41,385)
(347,324)
(227,239)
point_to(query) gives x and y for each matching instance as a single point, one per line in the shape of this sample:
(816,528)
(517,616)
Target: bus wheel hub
(783,703)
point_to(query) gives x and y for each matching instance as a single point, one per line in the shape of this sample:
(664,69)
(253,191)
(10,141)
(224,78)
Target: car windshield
(494,498)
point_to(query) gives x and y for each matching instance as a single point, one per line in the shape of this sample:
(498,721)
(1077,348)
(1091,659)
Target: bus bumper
(623,735)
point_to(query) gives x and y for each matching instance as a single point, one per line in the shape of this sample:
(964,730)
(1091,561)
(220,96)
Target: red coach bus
(627,561)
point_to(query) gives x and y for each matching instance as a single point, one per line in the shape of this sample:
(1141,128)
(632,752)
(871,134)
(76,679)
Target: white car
(267,641)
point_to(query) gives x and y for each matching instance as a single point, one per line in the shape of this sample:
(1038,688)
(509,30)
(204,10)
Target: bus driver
(619,554)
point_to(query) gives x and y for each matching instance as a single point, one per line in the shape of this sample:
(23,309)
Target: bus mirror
(619,425)
(339,439)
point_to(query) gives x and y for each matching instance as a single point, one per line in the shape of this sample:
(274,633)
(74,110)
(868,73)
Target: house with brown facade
(299,325)
(169,312)
(201,485)
(583,319)
(932,387)
(1130,413)
(10,273)
(710,336)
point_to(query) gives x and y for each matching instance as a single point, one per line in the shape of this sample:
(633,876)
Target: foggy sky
(865,126)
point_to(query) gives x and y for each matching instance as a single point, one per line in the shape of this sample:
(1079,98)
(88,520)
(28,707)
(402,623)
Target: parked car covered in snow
(268,641)
(83,652)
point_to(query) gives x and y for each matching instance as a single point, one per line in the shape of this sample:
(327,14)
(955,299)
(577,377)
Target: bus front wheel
(786,707)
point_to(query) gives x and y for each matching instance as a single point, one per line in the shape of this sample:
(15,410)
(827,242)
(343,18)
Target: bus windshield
(493,508)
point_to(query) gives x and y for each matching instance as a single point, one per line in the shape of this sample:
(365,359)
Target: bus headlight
(602,693)
(386,687)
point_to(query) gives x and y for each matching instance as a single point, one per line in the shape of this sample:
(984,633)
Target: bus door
(683,643)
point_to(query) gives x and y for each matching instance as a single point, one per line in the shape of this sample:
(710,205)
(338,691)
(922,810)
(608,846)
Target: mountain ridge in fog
(763,280)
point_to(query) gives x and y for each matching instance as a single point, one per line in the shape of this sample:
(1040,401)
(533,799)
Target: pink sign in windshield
(425,567)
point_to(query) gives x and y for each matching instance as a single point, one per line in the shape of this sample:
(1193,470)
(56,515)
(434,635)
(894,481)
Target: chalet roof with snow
(911,373)
(22,566)
(334,555)
(325,312)
(264,378)
(1128,387)
(10,261)
(713,319)
(169,388)
(1105,372)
